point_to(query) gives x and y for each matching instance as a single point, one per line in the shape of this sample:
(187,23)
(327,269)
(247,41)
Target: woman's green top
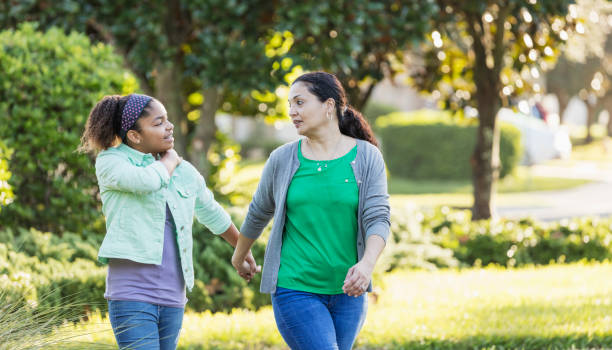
(319,240)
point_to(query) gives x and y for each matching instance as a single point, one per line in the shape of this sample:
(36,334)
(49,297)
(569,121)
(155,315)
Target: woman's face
(306,111)
(155,135)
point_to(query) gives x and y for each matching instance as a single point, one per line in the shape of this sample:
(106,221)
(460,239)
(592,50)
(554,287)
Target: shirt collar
(135,154)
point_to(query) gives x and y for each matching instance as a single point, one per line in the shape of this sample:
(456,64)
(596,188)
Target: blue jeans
(140,325)
(309,321)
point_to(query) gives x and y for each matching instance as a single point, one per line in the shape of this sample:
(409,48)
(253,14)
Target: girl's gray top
(373,214)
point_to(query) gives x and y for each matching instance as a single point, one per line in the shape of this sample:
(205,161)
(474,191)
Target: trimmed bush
(47,271)
(519,242)
(430,144)
(49,83)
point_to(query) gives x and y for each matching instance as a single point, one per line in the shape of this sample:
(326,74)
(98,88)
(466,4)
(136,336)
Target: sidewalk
(594,199)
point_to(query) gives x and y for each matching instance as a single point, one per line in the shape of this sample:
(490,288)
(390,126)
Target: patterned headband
(131,111)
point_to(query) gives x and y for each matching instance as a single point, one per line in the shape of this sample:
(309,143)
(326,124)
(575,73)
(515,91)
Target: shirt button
(345,180)
(184,250)
(174,206)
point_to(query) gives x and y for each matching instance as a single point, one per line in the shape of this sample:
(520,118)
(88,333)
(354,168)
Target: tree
(480,55)
(583,69)
(41,120)
(360,41)
(209,50)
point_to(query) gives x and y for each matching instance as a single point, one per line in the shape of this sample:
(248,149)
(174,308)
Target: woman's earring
(329,116)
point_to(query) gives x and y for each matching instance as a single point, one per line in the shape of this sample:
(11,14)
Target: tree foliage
(210,49)
(48,85)
(359,41)
(482,54)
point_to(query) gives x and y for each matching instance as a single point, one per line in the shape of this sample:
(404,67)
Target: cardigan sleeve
(376,210)
(262,206)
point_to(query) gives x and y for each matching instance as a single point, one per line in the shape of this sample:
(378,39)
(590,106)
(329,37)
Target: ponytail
(353,124)
(103,125)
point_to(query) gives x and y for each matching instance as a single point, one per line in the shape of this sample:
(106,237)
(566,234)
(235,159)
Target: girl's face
(155,135)
(306,111)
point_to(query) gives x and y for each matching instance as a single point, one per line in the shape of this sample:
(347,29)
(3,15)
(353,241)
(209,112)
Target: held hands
(247,267)
(358,278)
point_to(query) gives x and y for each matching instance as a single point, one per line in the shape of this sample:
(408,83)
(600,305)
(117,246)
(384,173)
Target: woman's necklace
(323,165)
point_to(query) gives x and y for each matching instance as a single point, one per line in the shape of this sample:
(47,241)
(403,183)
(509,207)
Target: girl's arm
(116,173)
(216,219)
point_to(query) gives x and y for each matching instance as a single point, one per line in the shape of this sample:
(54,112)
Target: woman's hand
(246,267)
(358,278)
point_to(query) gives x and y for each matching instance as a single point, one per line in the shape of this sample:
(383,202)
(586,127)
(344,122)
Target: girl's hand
(358,278)
(171,156)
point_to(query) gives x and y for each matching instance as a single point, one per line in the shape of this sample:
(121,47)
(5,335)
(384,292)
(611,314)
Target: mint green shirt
(319,242)
(134,189)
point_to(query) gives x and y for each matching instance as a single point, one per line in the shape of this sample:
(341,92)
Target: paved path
(594,199)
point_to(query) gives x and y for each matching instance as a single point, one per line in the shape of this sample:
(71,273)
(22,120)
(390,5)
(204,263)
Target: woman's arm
(376,222)
(359,276)
(240,258)
(262,206)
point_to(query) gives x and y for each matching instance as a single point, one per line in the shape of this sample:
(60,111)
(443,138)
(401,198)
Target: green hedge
(49,83)
(430,144)
(47,271)
(518,242)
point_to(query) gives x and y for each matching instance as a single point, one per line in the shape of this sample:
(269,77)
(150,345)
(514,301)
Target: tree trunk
(205,131)
(168,91)
(485,159)
(355,95)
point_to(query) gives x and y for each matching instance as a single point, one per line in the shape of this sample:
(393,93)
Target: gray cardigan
(269,201)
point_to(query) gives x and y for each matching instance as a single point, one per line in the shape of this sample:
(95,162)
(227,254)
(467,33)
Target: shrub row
(429,144)
(51,271)
(507,242)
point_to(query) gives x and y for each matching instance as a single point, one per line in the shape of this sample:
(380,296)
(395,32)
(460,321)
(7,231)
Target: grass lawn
(556,307)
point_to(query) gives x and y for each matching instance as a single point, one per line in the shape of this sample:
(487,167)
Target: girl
(149,198)
(328,195)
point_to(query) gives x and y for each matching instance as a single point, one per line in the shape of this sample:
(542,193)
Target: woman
(149,198)
(328,195)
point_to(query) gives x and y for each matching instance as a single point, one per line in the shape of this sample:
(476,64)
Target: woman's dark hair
(351,122)
(104,123)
